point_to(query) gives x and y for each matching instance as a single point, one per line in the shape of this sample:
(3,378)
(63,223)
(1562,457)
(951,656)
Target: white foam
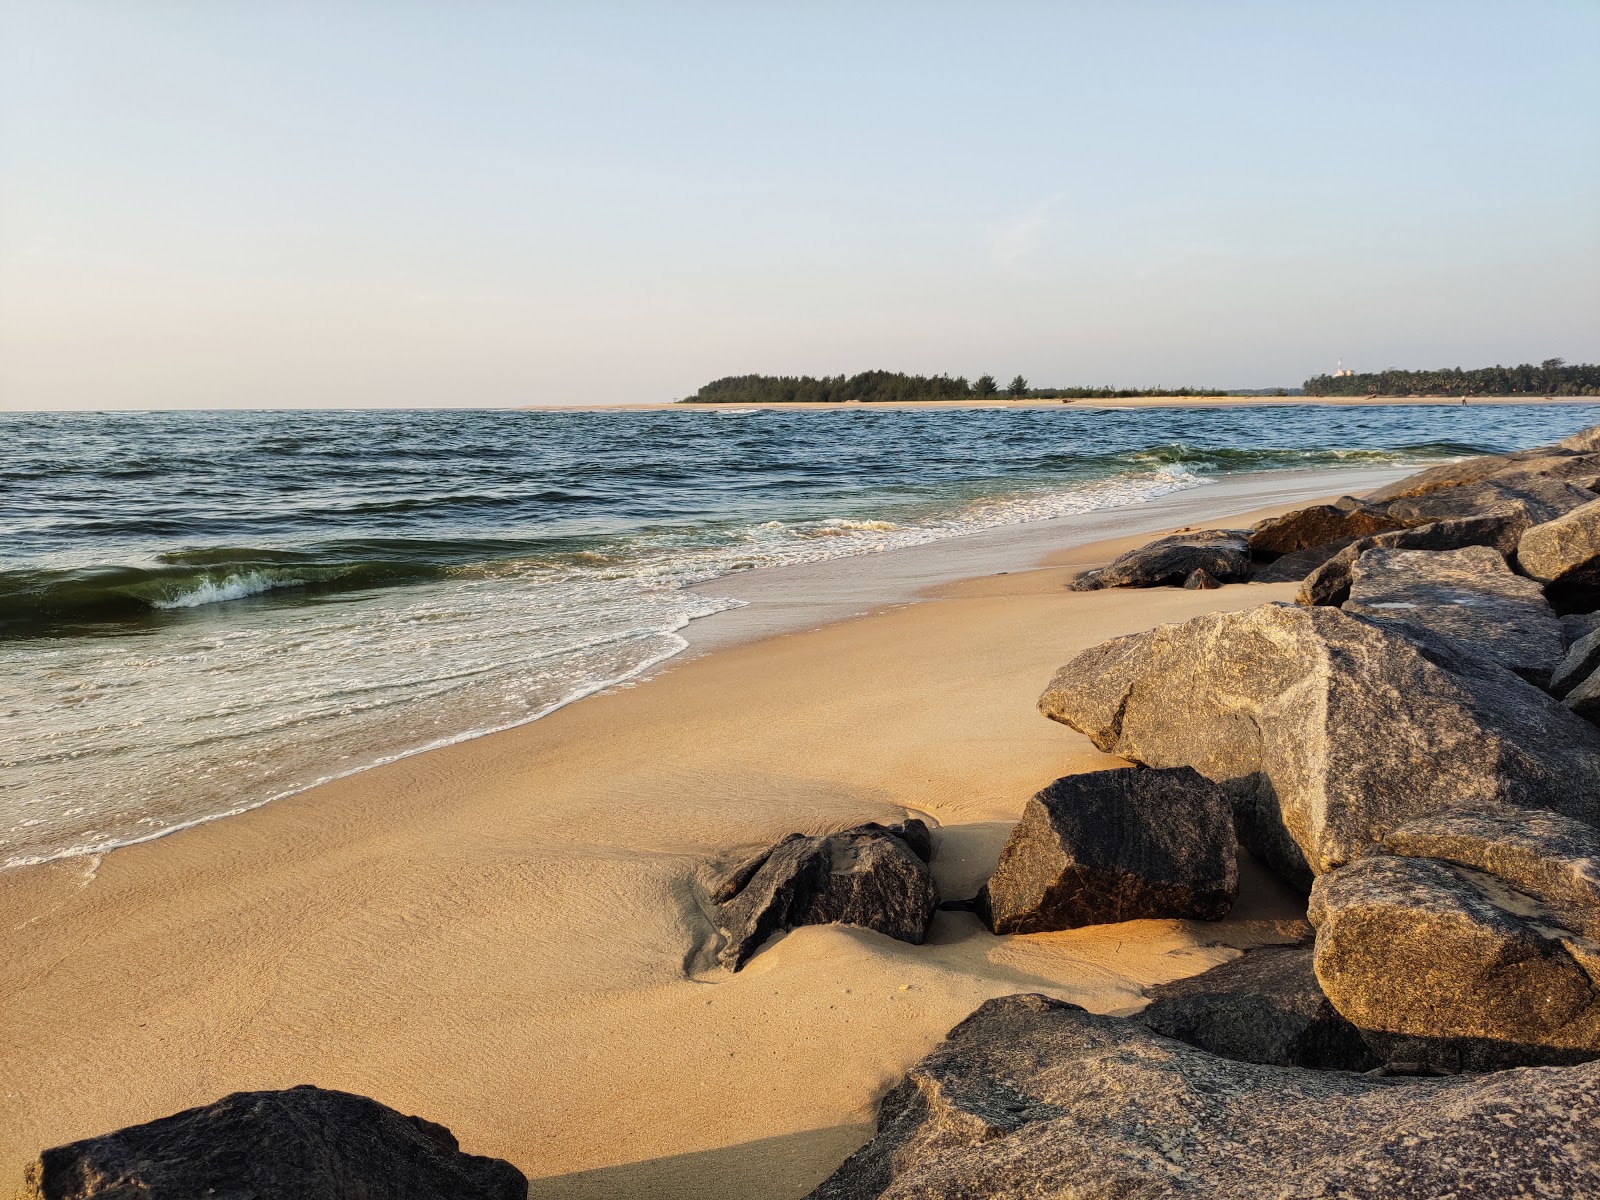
(229,587)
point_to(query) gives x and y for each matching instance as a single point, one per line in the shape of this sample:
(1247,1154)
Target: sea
(201,612)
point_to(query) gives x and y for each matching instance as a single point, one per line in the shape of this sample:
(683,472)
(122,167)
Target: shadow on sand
(776,1168)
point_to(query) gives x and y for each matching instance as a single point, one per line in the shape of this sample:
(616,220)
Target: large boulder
(1327,731)
(1440,964)
(1585,441)
(1584,699)
(1532,496)
(1564,555)
(1321,523)
(1223,554)
(1264,1007)
(1470,596)
(1329,581)
(304,1143)
(1581,660)
(1035,1099)
(1554,462)
(1297,564)
(872,876)
(1112,846)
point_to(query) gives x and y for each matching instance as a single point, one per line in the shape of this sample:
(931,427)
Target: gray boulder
(1321,523)
(1585,441)
(1577,664)
(1116,845)
(1576,626)
(1584,699)
(1223,554)
(872,876)
(1445,965)
(1534,497)
(1469,596)
(1329,582)
(1327,731)
(1263,1007)
(1554,462)
(1564,554)
(1035,1099)
(304,1143)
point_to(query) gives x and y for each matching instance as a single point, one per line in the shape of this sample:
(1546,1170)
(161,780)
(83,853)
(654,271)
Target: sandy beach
(507,936)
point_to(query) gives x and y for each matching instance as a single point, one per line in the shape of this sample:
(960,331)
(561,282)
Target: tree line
(881,387)
(1552,377)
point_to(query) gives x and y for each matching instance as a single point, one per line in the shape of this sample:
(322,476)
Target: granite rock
(1117,845)
(1533,497)
(1564,554)
(304,1143)
(1329,582)
(1319,524)
(1224,554)
(1553,462)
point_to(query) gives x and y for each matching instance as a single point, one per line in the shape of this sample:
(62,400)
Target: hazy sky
(466,202)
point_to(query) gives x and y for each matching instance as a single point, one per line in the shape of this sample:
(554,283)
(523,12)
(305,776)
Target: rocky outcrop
(1117,845)
(1533,497)
(1223,554)
(1553,462)
(301,1144)
(1329,582)
(1263,1007)
(1327,731)
(872,876)
(1585,441)
(1321,523)
(1469,596)
(1035,1099)
(1564,555)
(1441,964)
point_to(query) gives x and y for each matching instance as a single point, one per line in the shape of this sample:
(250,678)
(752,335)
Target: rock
(1224,554)
(1327,731)
(1533,497)
(1576,626)
(1329,583)
(1585,441)
(1448,966)
(873,876)
(1200,581)
(1577,664)
(1035,1099)
(1116,845)
(1469,596)
(1564,555)
(1319,524)
(1264,1007)
(1552,858)
(1584,699)
(1551,462)
(304,1143)
(1295,566)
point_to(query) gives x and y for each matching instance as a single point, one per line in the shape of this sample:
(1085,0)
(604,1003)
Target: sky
(346,203)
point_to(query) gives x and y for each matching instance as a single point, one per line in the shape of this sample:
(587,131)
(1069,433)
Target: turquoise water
(202,611)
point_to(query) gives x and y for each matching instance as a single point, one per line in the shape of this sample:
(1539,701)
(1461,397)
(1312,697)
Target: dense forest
(1553,377)
(878,387)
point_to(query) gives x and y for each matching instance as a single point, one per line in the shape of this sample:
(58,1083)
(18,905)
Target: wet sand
(508,935)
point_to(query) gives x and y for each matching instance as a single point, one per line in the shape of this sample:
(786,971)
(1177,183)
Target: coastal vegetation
(887,387)
(1552,377)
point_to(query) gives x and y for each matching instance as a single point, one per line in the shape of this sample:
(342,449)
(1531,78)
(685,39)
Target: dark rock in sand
(1534,497)
(1470,596)
(1265,1007)
(1580,661)
(872,876)
(1224,554)
(1113,846)
(304,1143)
(1327,731)
(1329,583)
(1321,523)
(1552,462)
(1200,581)
(1451,967)
(1035,1099)
(1564,555)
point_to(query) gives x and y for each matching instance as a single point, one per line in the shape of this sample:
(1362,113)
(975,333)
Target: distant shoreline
(1123,402)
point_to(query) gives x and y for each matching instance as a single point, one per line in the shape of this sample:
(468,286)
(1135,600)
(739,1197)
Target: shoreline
(484,933)
(1091,404)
